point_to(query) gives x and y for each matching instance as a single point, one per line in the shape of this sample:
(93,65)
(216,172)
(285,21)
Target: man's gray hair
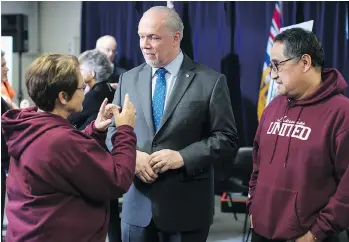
(94,60)
(2,53)
(173,22)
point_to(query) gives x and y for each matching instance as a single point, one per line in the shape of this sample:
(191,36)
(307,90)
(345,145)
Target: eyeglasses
(274,67)
(82,87)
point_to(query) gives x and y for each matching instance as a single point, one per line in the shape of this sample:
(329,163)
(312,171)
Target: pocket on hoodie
(274,212)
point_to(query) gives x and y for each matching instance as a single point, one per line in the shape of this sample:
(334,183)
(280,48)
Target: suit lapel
(184,78)
(145,97)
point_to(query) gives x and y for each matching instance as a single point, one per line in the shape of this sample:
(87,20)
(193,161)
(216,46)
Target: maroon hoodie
(300,180)
(60,179)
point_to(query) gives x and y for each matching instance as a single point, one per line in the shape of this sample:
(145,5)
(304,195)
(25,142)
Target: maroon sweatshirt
(300,180)
(60,179)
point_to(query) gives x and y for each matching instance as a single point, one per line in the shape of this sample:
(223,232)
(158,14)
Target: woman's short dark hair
(49,75)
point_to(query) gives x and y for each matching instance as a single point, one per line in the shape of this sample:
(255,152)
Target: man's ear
(177,39)
(306,62)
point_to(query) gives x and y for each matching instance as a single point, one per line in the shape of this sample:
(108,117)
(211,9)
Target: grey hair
(173,22)
(2,53)
(96,61)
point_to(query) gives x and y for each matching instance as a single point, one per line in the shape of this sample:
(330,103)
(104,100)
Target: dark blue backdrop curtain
(230,37)
(119,19)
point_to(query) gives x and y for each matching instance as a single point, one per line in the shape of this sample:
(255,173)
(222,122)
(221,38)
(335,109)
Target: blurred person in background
(61,180)
(7,92)
(95,71)
(107,44)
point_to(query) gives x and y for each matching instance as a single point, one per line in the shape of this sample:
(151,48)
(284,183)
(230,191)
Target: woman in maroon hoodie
(299,188)
(60,179)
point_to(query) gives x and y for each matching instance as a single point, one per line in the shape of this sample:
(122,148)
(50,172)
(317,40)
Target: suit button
(155,144)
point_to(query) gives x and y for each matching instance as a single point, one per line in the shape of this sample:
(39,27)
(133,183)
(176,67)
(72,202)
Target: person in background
(299,187)
(7,92)
(185,124)
(95,71)
(107,44)
(60,179)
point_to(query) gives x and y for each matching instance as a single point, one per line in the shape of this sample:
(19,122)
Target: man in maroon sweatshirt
(299,188)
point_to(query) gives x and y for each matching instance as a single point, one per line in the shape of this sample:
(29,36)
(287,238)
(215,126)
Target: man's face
(287,72)
(4,69)
(157,43)
(108,47)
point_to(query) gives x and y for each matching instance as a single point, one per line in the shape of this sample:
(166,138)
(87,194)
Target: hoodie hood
(22,126)
(333,83)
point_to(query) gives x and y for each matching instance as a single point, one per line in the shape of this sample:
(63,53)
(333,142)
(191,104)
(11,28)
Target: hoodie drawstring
(290,104)
(289,138)
(277,137)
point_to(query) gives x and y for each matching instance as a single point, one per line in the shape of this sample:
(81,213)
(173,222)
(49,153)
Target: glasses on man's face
(275,67)
(82,87)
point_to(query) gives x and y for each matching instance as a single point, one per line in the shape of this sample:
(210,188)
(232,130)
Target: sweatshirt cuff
(318,233)
(125,127)
(122,128)
(94,129)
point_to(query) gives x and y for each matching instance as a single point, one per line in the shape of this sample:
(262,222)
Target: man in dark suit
(184,124)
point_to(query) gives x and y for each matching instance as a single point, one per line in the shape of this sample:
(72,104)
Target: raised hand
(104,115)
(128,114)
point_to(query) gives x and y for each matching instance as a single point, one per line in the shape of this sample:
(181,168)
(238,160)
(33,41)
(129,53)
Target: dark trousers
(258,238)
(151,233)
(114,231)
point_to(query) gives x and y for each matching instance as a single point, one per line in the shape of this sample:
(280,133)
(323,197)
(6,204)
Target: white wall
(60,24)
(53,27)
